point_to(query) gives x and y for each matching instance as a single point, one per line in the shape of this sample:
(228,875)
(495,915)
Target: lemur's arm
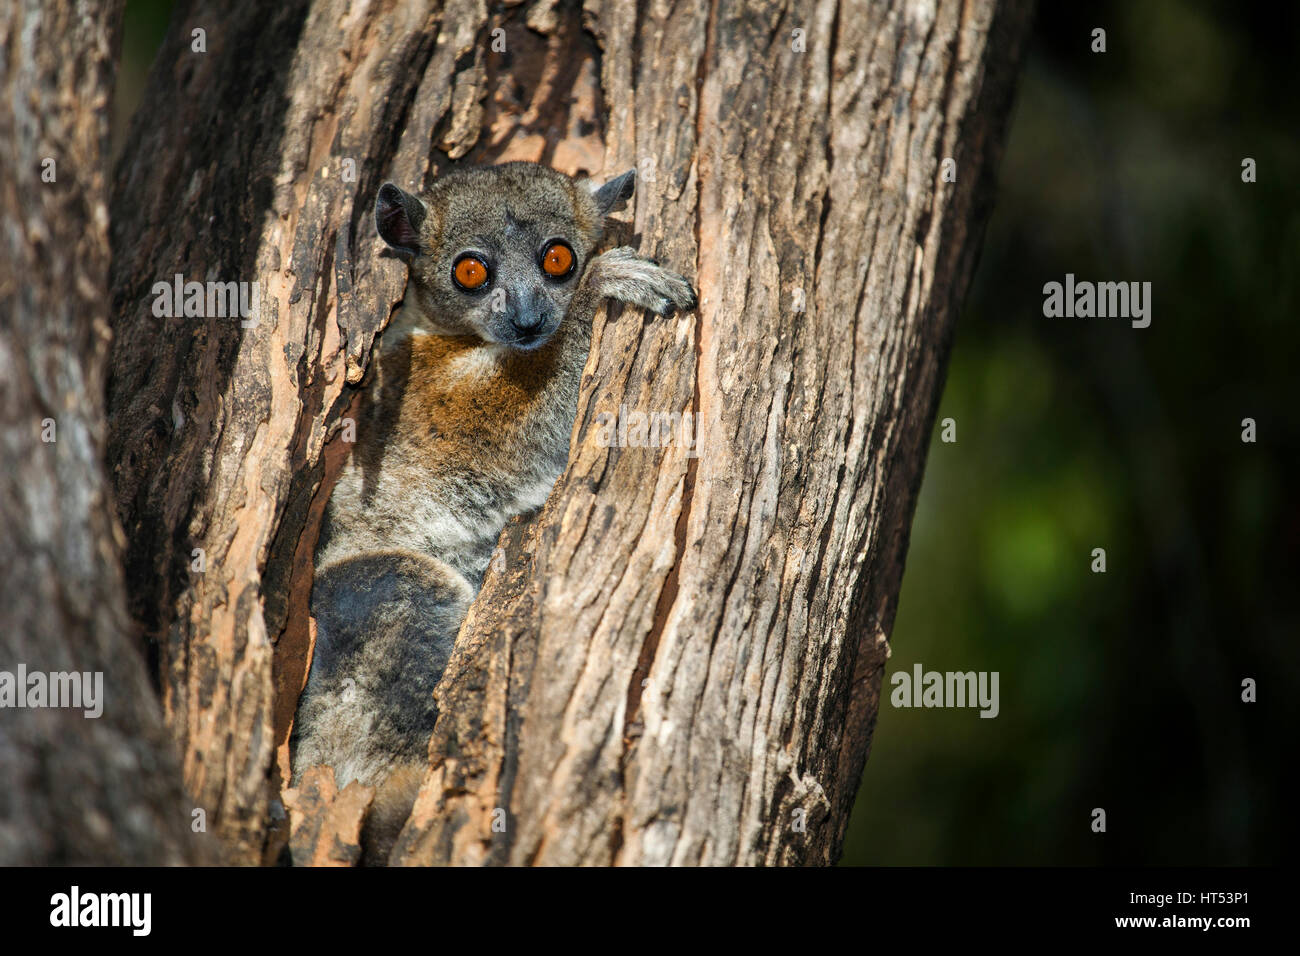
(623,275)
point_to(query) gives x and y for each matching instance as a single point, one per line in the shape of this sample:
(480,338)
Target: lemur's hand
(623,275)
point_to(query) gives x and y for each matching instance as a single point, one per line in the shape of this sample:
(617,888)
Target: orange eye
(470,272)
(557,260)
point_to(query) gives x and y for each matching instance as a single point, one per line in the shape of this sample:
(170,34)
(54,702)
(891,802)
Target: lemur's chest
(463,406)
(455,437)
(458,410)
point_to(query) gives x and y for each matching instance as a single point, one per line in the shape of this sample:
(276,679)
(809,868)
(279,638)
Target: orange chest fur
(457,401)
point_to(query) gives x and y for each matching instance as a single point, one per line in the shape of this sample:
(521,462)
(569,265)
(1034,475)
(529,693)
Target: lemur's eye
(470,272)
(557,260)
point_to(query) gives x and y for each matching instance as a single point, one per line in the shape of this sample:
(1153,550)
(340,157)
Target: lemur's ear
(398,216)
(615,193)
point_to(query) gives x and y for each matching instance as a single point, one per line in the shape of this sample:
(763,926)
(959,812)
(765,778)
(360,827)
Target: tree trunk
(679,660)
(96,782)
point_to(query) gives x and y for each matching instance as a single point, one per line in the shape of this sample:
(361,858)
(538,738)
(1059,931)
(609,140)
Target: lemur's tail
(389,811)
(385,626)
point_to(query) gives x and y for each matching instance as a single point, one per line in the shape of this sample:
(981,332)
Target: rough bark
(77,789)
(681,652)
(687,668)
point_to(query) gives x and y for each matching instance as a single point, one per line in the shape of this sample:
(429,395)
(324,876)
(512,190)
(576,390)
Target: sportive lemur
(465,424)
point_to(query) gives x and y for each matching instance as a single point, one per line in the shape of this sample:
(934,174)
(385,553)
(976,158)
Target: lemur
(465,423)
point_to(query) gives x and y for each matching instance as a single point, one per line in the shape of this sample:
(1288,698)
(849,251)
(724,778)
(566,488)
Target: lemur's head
(498,251)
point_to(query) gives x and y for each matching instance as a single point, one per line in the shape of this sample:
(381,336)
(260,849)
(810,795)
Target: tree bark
(680,660)
(78,787)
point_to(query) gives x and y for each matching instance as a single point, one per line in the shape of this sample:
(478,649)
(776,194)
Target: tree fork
(680,660)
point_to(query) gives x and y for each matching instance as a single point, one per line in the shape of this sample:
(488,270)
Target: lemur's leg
(623,275)
(386,622)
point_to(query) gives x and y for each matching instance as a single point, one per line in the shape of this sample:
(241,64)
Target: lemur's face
(498,252)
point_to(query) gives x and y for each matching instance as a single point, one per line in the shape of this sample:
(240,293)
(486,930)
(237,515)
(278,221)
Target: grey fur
(414,519)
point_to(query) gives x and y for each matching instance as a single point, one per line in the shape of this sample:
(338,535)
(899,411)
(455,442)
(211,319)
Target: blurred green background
(1118,690)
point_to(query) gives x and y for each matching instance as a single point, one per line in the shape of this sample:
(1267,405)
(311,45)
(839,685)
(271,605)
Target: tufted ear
(615,193)
(398,216)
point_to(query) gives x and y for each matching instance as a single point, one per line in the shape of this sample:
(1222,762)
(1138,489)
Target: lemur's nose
(530,313)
